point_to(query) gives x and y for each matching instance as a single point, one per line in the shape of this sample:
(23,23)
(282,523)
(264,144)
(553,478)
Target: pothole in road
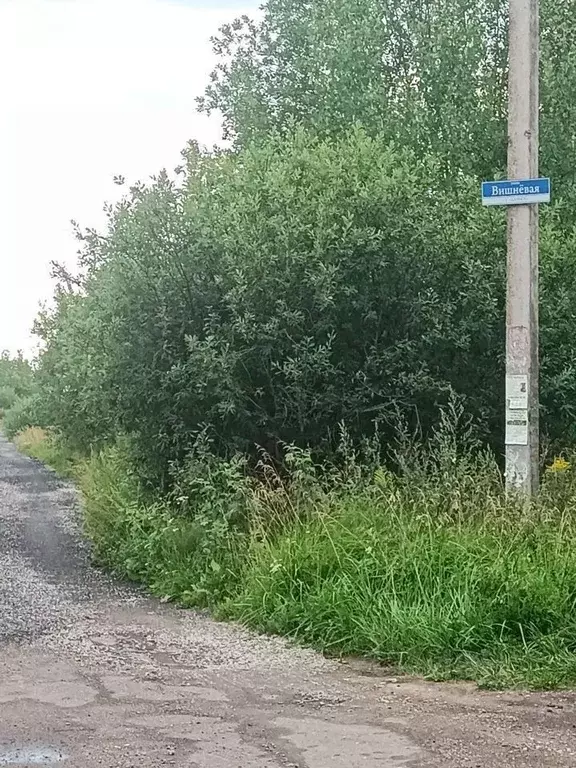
(31,755)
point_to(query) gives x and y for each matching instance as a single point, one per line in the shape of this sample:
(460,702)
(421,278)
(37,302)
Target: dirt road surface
(93,673)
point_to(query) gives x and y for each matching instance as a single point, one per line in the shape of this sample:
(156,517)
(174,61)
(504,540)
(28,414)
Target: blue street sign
(526,192)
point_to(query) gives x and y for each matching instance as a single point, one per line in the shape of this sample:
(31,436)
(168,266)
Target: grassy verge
(479,597)
(182,558)
(433,571)
(41,445)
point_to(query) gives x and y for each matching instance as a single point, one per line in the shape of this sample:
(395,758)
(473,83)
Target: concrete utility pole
(522,366)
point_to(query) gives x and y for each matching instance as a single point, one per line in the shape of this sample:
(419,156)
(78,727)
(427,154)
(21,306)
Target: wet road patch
(31,755)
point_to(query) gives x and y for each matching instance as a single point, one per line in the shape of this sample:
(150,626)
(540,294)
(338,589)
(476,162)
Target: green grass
(45,447)
(147,541)
(485,597)
(435,572)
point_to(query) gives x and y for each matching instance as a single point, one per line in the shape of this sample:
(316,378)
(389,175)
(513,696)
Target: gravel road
(93,673)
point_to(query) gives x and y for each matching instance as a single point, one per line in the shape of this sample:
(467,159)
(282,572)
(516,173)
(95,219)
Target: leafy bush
(297,286)
(8,397)
(16,373)
(23,413)
(276,295)
(16,380)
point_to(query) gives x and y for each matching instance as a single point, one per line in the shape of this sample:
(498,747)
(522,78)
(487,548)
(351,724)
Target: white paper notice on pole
(517,429)
(517,410)
(517,392)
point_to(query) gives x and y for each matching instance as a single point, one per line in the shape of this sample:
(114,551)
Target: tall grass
(487,594)
(432,569)
(46,447)
(179,555)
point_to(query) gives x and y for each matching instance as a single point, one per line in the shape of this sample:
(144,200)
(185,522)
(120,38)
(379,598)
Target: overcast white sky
(89,89)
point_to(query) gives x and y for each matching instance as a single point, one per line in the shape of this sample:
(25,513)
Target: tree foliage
(282,291)
(431,75)
(336,266)
(16,379)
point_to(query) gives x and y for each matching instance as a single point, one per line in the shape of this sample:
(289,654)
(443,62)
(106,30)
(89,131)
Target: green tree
(335,267)
(16,379)
(430,75)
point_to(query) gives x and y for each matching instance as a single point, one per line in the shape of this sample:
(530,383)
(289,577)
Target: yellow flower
(559,465)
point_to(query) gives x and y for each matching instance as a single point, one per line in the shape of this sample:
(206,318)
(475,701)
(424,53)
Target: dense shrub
(16,380)
(278,293)
(8,397)
(188,548)
(323,273)
(25,412)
